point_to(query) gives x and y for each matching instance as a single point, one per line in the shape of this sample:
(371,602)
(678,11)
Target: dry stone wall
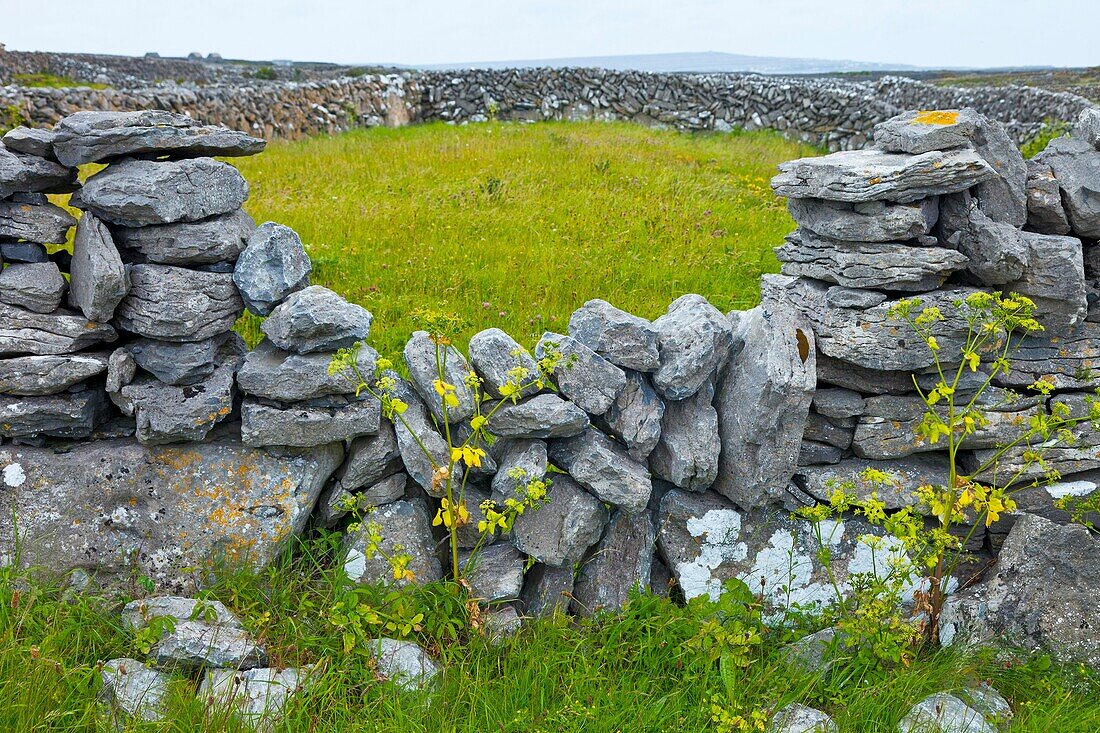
(833,113)
(140,436)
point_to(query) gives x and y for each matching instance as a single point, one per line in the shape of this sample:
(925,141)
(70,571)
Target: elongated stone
(547,590)
(404,529)
(90,137)
(996,251)
(60,332)
(890,266)
(521,462)
(892,223)
(37,141)
(635,416)
(1076,166)
(370,459)
(687,453)
(1070,360)
(581,374)
(1045,212)
(288,377)
(1055,281)
(180,363)
(426,360)
(41,223)
(872,175)
(619,564)
(620,337)
(175,304)
(38,287)
(32,174)
(141,192)
(42,375)
(541,416)
(421,446)
(498,359)
(903,478)
(62,415)
(304,425)
(98,280)
(317,319)
(217,239)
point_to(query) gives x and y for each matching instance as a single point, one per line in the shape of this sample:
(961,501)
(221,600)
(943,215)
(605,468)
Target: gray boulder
(181,363)
(280,375)
(872,175)
(196,644)
(25,252)
(1076,166)
(558,533)
(814,653)
(1087,126)
(623,339)
(1041,596)
(37,141)
(521,461)
(1067,359)
(582,375)
(496,356)
(687,453)
(273,265)
(405,530)
(130,510)
(763,401)
(121,370)
(617,565)
(139,613)
(694,340)
(1055,280)
(90,137)
(74,414)
(541,416)
(36,287)
(20,172)
(831,431)
(404,663)
(495,573)
(98,279)
(43,375)
(870,222)
(1045,212)
(944,713)
(371,458)
(635,416)
(40,223)
(891,266)
(217,239)
(905,476)
(141,192)
(501,623)
(996,251)
(174,304)
(317,319)
(311,423)
(426,359)
(547,590)
(796,718)
(133,690)
(256,696)
(421,446)
(924,131)
(838,403)
(60,332)
(603,467)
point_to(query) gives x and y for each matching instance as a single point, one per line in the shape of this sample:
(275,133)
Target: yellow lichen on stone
(936,117)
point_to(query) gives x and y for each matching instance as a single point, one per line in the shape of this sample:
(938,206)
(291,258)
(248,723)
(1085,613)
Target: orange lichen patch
(936,117)
(875,180)
(177,458)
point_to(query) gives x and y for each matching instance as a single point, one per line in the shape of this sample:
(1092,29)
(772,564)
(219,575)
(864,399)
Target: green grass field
(516,226)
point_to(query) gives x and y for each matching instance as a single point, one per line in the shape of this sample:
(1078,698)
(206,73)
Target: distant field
(516,225)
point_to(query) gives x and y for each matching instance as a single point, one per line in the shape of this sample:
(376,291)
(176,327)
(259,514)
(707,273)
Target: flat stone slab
(288,377)
(541,416)
(256,696)
(176,304)
(116,509)
(20,172)
(870,222)
(41,223)
(182,362)
(872,175)
(306,425)
(622,338)
(37,141)
(317,319)
(43,375)
(63,415)
(217,239)
(37,287)
(90,137)
(141,192)
(904,477)
(603,467)
(60,332)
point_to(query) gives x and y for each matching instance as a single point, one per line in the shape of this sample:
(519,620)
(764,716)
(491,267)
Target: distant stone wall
(832,113)
(140,436)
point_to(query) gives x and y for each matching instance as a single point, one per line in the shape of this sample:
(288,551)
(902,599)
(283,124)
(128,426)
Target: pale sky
(933,33)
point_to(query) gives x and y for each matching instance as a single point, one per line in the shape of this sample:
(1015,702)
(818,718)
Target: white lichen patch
(14,476)
(355,565)
(1071,488)
(719,532)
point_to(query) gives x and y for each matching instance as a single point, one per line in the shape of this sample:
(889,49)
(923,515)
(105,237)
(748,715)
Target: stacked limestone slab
(942,205)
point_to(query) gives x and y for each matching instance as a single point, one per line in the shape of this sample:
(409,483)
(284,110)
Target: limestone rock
(195,644)
(706,540)
(501,623)
(623,339)
(99,281)
(121,370)
(635,416)
(872,175)
(541,416)
(371,458)
(1055,280)
(337,502)
(30,173)
(137,614)
(400,523)
(273,265)
(905,476)
(182,363)
(812,453)
(1067,358)
(924,131)
(1076,166)
(604,468)
(582,375)
(1045,212)
(838,403)
(1087,126)
(311,423)
(90,137)
(837,220)
(813,653)
(944,713)
(64,415)
(617,565)
(39,223)
(547,590)
(558,533)
(44,375)
(425,359)
(175,304)
(831,431)
(796,718)
(37,141)
(288,377)
(687,453)
(763,401)
(25,252)
(494,354)
(217,239)
(130,510)
(404,663)
(995,250)
(416,432)
(521,461)
(495,573)
(60,332)
(141,192)
(317,319)
(36,287)
(694,340)
(256,696)
(131,689)
(891,266)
